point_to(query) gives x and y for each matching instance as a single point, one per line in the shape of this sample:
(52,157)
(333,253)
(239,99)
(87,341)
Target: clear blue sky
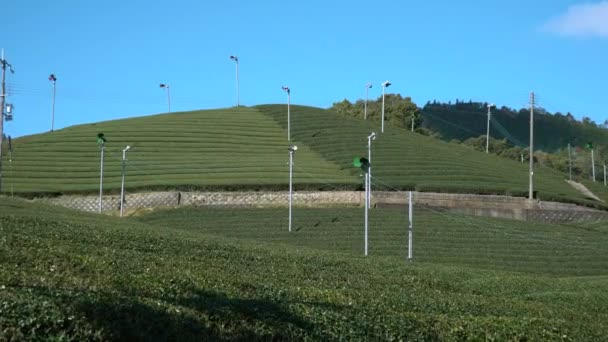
(110,56)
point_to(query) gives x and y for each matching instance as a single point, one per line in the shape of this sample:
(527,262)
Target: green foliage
(399,111)
(552,132)
(232,148)
(71,276)
(402,160)
(246,149)
(443,237)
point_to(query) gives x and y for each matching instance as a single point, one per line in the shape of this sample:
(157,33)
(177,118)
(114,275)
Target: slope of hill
(66,275)
(229,148)
(246,148)
(402,159)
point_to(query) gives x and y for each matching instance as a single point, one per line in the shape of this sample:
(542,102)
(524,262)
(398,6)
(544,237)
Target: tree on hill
(465,122)
(553,132)
(398,111)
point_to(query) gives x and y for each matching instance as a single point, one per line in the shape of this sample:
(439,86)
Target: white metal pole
(367,86)
(237,83)
(370,138)
(288,115)
(53,112)
(605,175)
(410,241)
(413,117)
(366,208)
(488,131)
(531,179)
(383,88)
(169,98)
(101,180)
(369,171)
(365,110)
(593,164)
(290,185)
(122,182)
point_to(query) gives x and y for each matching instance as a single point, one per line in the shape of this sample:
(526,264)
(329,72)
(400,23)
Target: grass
(214,149)
(66,275)
(404,160)
(440,237)
(246,148)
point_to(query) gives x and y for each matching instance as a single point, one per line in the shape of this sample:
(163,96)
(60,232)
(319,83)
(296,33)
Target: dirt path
(583,189)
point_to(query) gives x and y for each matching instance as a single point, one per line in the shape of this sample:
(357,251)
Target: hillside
(466,122)
(246,148)
(406,160)
(74,276)
(229,148)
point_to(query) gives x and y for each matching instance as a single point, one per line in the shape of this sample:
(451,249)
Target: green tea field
(215,274)
(246,149)
(440,237)
(239,148)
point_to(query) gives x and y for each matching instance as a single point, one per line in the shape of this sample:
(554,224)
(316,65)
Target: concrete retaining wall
(112,202)
(481,205)
(273,199)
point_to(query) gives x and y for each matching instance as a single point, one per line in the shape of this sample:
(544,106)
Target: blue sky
(110,56)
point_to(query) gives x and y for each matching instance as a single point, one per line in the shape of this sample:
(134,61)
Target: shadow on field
(128,320)
(198,315)
(248,319)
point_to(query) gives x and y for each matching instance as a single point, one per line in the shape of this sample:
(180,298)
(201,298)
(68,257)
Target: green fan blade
(101,139)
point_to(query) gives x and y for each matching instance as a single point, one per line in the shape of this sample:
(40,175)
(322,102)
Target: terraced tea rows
(222,148)
(246,148)
(66,275)
(439,237)
(401,159)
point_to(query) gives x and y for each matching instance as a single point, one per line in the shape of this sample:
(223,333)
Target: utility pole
(605,174)
(288,91)
(236,60)
(102,149)
(531,181)
(367,86)
(569,162)
(166,86)
(367,181)
(410,242)
(413,117)
(101,141)
(370,138)
(385,85)
(365,164)
(488,129)
(4,63)
(122,181)
(53,79)
(292,149)
(593,164)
